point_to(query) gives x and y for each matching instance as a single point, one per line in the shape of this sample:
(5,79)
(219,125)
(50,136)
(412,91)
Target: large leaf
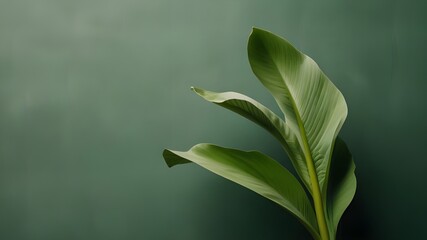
(264,117)
(341,184)
(314,108)
(254,171)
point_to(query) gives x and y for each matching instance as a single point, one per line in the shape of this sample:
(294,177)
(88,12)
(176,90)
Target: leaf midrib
(316,194)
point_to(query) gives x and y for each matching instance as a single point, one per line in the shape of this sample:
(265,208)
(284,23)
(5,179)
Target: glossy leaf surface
(254,171)
(314,108)
(264,117)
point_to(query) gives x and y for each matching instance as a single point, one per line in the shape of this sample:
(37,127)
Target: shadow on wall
(355,223)
(232,212)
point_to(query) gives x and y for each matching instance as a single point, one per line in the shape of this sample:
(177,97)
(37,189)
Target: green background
(91,92)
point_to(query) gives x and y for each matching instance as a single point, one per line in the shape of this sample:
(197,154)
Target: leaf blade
(342,184)
(254,171)
(313,107)
(264,117)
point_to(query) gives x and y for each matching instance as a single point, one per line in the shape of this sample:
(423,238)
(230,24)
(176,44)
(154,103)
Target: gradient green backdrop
(91,91)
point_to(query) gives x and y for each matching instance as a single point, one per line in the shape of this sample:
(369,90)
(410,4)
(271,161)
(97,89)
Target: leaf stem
(316,194)
(317,199)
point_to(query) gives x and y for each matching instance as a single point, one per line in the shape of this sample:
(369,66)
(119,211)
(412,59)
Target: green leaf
(341,184)
(264,117)
(254,171)
(314,108)
(314,111)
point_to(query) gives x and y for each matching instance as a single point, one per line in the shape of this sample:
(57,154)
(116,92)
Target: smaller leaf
(267,119)
(254,171)
(341,185)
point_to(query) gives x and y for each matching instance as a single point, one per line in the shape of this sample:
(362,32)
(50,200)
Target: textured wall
(91,92)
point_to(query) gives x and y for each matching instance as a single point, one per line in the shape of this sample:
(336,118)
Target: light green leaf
(314,108)
(254,171)
(264,117)
(341,184)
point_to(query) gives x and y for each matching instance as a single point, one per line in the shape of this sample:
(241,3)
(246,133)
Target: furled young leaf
(264,117)
(254,171)
(314,108)
(341,184)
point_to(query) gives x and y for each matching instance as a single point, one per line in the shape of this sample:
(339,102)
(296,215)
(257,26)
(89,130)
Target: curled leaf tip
(197,90)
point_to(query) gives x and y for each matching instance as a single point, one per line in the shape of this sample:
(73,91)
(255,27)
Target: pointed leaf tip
(256,30)
(198,91)
(172,159)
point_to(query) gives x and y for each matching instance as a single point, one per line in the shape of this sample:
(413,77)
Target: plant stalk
(317,199)
(316,194)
